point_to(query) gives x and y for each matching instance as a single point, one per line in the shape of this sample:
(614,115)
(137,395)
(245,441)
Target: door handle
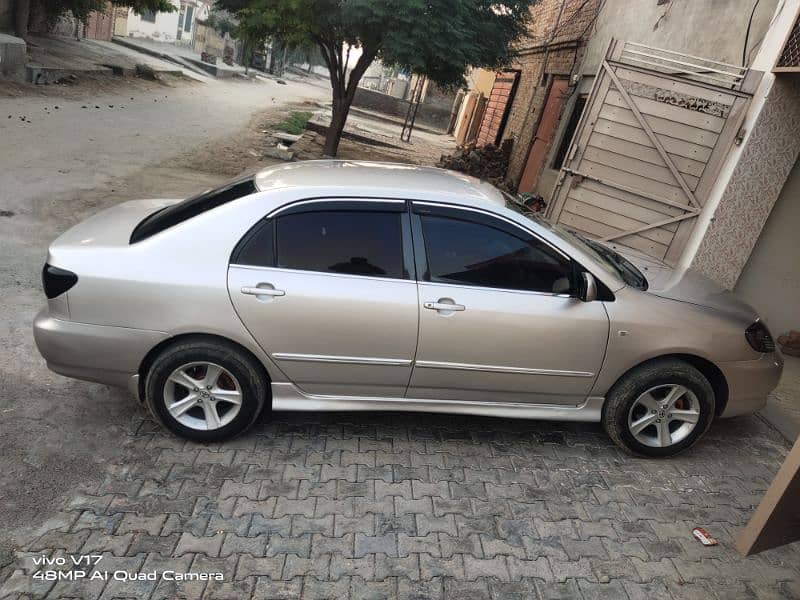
(444,306)
(262,291)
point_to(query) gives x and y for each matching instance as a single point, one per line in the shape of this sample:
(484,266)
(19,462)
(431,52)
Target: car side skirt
(286,396)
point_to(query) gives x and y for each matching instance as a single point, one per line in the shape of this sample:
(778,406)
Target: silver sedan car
(336,285)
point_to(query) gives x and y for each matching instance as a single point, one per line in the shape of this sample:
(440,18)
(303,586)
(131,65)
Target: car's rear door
(498,319)
(326,287)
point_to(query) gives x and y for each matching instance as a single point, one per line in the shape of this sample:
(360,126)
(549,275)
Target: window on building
(347,242)
(148,15)
(475,254)
(572,125)
(187,22)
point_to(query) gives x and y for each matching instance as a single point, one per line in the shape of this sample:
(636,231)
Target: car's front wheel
(205,391)
(659,409)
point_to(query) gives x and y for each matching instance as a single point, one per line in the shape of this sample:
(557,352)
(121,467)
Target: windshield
(611,260)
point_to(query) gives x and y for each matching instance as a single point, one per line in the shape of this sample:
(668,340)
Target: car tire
(647,413)
(197,381)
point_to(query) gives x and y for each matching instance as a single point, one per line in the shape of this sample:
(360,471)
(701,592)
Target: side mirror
(587,287)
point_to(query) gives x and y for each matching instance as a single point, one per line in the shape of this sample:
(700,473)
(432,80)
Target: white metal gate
(656,128)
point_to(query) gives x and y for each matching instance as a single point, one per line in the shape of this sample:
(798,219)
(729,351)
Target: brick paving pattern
(413,506)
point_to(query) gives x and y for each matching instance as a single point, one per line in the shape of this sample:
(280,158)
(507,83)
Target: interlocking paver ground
(419,506)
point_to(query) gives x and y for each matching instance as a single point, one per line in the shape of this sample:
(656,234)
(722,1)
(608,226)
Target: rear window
(191,207)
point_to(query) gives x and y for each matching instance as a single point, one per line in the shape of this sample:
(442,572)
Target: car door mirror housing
(587,287)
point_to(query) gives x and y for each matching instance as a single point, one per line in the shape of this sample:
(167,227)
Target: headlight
(759,338)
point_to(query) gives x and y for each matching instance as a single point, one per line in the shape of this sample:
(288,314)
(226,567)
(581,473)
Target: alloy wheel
(203,396)
(664,415)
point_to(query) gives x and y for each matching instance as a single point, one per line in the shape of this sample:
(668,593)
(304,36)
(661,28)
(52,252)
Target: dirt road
(60,160)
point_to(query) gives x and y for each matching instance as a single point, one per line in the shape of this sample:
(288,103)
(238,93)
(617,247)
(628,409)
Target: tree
(436,38)
(51,10)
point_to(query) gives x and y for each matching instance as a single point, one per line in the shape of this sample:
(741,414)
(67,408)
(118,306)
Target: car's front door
(498,317)
(327,290)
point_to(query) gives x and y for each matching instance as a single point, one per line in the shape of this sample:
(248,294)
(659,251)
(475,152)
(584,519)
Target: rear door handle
(262,291)
(444,306)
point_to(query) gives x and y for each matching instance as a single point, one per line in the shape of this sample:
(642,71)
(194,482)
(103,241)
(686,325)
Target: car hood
(687,285)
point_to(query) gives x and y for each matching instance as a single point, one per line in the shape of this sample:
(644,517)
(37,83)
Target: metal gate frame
(682,72)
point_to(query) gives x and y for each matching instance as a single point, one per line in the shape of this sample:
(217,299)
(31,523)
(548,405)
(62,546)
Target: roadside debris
(704,537)
(146,72)
(487,162)
(280,152)
(309,146)
(288,138)
(790,343)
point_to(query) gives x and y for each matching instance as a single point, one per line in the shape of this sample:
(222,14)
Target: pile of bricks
(790,343)
(487,162)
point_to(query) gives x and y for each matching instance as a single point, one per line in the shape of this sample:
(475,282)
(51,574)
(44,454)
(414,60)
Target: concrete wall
(483,81)
(753,187)
(771,279)
(434,115)
(712,29)
(165,29)
(12,57)
(6,16)
(755,171)
(121,21)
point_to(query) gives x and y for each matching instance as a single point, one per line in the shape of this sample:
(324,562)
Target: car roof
(397,179)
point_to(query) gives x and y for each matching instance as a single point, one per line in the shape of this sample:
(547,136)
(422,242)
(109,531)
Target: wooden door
(649,147)
(548,123)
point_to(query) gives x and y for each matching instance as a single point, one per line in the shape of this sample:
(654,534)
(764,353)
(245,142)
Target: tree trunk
(343,87)
(341,107)
(22,13)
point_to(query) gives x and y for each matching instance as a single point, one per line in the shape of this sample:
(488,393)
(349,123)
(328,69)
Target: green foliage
(154,5)
(51,10)
(222,22)
(295,123)
(437,38)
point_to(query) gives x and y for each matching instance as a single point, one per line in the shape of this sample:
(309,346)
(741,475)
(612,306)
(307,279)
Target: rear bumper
(100,353)
(749,383)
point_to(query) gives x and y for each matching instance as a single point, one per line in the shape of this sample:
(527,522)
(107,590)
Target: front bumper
(101,353)
(749,383)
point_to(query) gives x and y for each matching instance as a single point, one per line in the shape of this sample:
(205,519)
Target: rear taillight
(57,281)
(759,338)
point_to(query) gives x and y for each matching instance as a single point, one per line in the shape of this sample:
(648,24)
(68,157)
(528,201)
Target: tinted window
(355,243)
(191,207)
(257,247)
(469,253)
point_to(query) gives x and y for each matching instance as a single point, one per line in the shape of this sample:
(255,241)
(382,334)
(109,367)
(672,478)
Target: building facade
(178,26)
(546,59)
(673,129)
(566,44)
(159,26)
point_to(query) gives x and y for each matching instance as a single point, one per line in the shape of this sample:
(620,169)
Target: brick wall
(100,24)
(499,98)
(546,50)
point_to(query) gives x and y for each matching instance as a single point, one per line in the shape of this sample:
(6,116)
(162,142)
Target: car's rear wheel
(205,391)
(659,409)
